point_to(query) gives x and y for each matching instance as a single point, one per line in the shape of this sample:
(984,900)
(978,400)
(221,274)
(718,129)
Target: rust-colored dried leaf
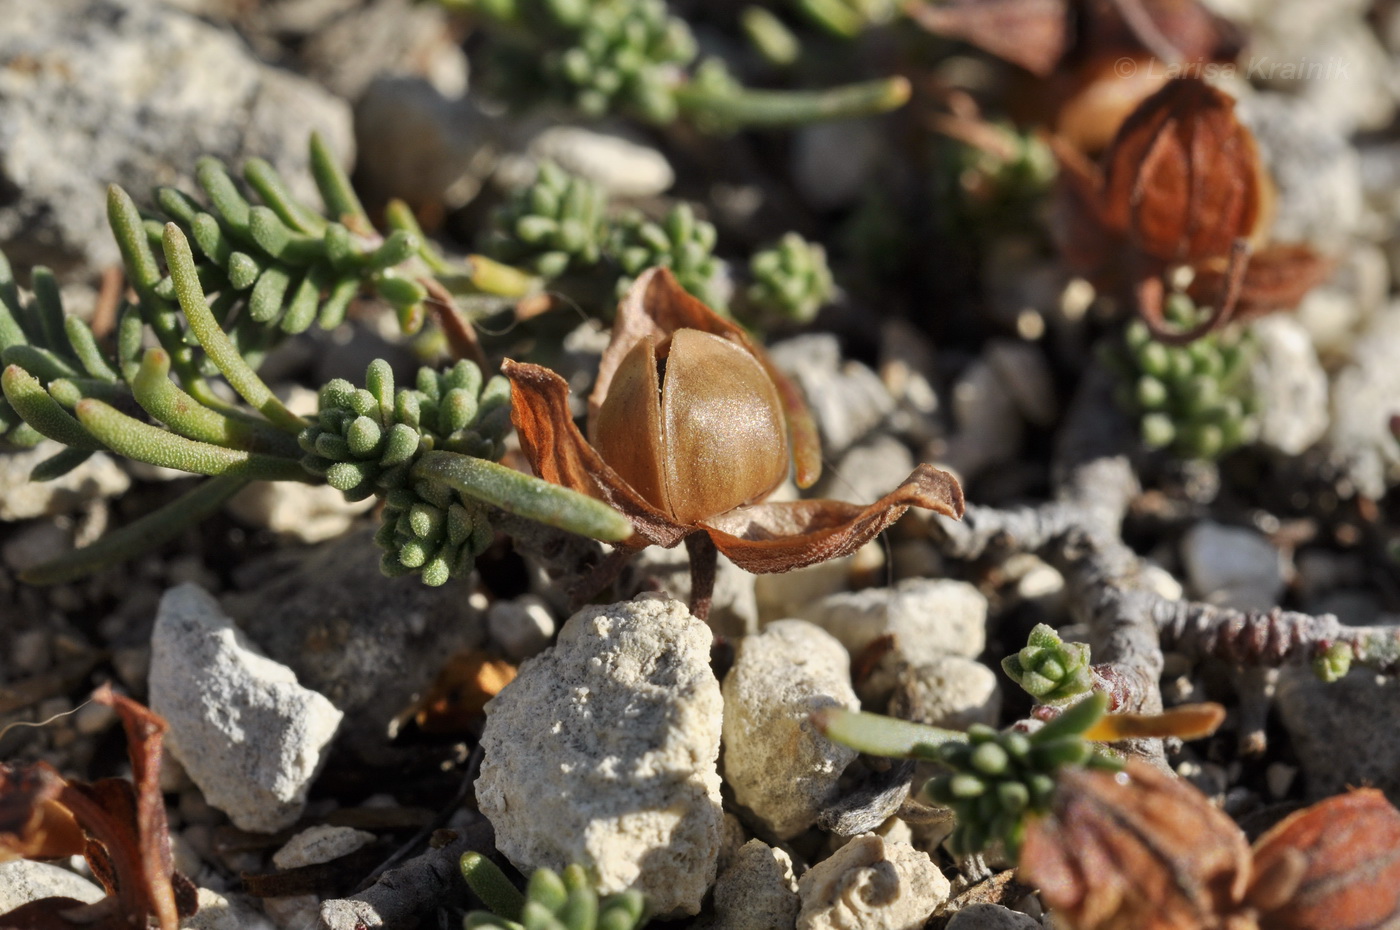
(1189,721)
(1343,858)
(1136,850)
(779,537)
(1033,34)
(454,702)
(1277,278)
(33,825)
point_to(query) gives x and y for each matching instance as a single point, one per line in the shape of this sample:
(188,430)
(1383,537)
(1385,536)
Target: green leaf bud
(363,437)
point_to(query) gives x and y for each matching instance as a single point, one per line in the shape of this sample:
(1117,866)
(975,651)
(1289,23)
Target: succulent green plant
(550,901)
(790,281)
(552,225)
(681,242)
(995,779)
(1048,668)
(634,57)
(1195,400)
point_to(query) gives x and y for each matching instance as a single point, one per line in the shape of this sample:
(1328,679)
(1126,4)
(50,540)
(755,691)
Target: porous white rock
(21,499)
(757,891)
(217,912)
(1232,566)
(846,398)
(779,766)
(622,166)
(303,512)
(734,607)
(873,885)
(318,844)
(928,617)
(1290,384)
(989,429)
(249,736)
(948,691)
(521,626)
(1364,397)
(991,917)
(24,880)
(602,753)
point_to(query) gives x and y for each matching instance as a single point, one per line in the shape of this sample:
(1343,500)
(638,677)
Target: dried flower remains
(692,427)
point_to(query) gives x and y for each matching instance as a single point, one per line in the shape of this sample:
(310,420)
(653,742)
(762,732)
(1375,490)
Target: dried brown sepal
(453,703)
(1332,866)
(33,824)
(1032,34)
(1136,850)
(1277,278)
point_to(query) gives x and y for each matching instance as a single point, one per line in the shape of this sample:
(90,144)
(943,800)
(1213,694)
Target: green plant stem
(335,187)
(215,341)
(163,399)
(523,495)
(486,276)
(139,537)
(741,107)
(146,443)
(490,884)
(878,735)
(42,412)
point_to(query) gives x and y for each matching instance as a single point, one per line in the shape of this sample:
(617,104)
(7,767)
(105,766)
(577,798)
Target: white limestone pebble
(757,891)
(602,752)
(249,736)
(521,626)
(953,692)
(928,617)
(779,766)
(1233,566)
(871,884)
(318,844)
(24,880)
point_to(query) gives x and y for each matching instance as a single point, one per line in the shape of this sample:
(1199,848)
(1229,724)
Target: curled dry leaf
(454,703)
(119,826)
(692,426)
(1181,186)
(1143,850)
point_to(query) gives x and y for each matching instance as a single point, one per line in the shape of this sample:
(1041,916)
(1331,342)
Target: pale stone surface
(248,735)
(1363,400)
(734,609)
(953,692)
(846,398)
(928,617)
(1290,384)
(784,594)
(217,912)
(623,166)
(989,429)
(24,880)
(303,512)
(991,917)
(321,843)
(521,626)
(1232,566)
(602,752)
(757,892)
(872,885)
(21,499)
(1344,732)
(779,766)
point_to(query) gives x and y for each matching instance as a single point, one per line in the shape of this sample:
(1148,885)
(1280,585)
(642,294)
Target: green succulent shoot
(550,901)
(995,780)
(790,281)
(1195,400)
(1049,669)
(681,242)
(553,225)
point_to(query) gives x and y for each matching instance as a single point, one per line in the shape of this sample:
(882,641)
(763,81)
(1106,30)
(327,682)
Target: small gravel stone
(757,892)
(318,844)
(832,163)
(734,609)
(847,399)
(1233,566)
(520,627)
(24,880)
(217,912)
(602,753)
(34,544)
(868,470)
(1363,399)
(949,691)
(247,733)
(991,917)
(302,512)
(1026,375)
(1337,745)
(93,718)
(21,499)
(873,885)
(989,430)
(779,677)
(1290,385)
(928,617)
(623,166)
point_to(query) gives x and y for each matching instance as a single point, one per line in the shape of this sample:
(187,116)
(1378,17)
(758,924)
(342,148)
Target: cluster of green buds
(1197,399)
(552,225)
(365,441)
(1000,777)
(550,901)
(681,242)
(790,281)
(1049,669)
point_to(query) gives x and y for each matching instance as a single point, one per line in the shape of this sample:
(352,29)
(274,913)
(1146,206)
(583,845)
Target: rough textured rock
(160,88)
(991,917)
(23,880)
(734,611)
(867,471)
(520,627)
(784,594)
(873,885)
(947,691)
(1290,384)
(1363,399)
(602,752)
(304,512)
(366,642)
(847,399)
(989,429)
(928,617)
(757,891)
(217,912)
(622,165)
(779,677)
(1338,745)
(1232,566)
(321,843)
(21,499)
(248,735)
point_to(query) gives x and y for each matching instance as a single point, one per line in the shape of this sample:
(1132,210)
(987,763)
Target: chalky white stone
(871,884)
